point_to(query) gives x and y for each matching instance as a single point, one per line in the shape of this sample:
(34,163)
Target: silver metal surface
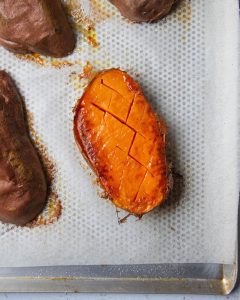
(162,278)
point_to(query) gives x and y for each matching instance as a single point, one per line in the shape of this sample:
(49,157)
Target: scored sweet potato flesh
(119,134)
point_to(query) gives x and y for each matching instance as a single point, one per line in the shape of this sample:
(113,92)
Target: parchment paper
(188,67)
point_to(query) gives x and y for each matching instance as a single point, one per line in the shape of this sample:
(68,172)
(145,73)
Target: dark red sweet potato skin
(23,189)
(144,10)
(35,26)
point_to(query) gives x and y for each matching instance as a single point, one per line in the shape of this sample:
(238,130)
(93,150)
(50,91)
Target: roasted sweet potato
(144,10)
(123,140)
(23,186)
(35,26)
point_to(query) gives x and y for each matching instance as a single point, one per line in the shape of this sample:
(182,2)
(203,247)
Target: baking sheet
(187,65)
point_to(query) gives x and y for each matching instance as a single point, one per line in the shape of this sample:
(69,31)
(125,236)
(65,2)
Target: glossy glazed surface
(119,134)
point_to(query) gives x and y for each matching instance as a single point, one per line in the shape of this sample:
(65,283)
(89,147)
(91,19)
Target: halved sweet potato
(121,137)
(35,26)
(23,188)
(144,10)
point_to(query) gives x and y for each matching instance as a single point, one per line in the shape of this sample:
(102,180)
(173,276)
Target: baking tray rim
(218,279)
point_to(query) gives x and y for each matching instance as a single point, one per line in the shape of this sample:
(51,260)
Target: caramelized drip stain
(87,71)
(101,194)
(34,57)
(183,12)
(53,209)
(82,23)
(81,80)
(183,15)
(99,11)
(43,61)
(51,213)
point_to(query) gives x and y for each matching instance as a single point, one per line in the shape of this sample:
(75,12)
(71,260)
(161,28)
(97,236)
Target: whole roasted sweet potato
(22,182)
(144,10)
(35,26)
(123,140)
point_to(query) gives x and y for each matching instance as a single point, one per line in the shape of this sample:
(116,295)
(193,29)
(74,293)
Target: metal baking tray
(155,278)
(162,278)
(211,279)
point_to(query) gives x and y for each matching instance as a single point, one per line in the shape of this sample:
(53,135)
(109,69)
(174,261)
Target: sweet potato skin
(144,10)
(35,26)
(124,142)
(23,188)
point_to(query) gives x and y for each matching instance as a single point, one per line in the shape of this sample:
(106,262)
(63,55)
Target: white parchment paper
(188,67)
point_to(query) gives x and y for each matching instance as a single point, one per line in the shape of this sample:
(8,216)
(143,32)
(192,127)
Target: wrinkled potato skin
(144,10)
(23,188)
(35,26)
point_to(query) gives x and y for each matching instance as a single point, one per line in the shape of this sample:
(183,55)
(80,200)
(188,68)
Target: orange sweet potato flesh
(123,140)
